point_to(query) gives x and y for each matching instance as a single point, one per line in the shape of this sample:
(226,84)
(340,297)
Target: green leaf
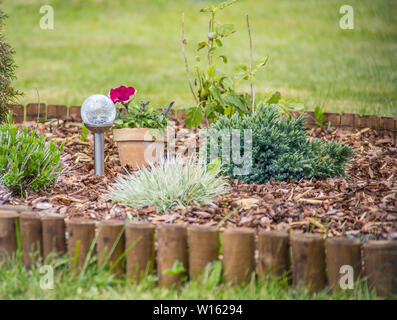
(201,45)
(224,30)
(262,63)
(319,115)
(235,101)
(228,111)
(207,9)
(293,104)
(193,117)
(212,35)
(242,67)
(177,268)
(210,111)
(216,94)
(84,132)
(211,71)
(224,58)
(154,133)
(215,166)
(218,42)
(226,4)
(275,98)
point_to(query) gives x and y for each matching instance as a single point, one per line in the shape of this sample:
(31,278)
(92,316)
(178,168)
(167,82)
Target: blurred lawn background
(99,44)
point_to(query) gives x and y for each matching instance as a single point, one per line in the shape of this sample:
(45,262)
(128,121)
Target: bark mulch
(363,206)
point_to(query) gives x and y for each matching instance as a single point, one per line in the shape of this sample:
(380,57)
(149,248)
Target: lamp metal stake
(99,142)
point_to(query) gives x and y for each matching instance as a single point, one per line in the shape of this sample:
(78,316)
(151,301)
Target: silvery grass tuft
(172,183)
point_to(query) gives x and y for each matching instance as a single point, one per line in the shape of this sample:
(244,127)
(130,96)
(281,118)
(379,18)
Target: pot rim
(137,134)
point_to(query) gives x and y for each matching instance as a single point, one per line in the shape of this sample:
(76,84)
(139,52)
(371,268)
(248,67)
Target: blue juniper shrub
(281,149)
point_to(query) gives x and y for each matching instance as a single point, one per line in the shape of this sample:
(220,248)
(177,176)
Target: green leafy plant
(131,115)
(172,183)
(142,117)
(319,115)
(177,269)
(27,161)
(7,73)
(281,149)
(213,90)
(284,105)
(84,132)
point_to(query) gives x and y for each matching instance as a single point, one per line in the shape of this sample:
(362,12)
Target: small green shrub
(214,90)
(26,160)
(170,184)
(143,117)
(280,148)
(7,69)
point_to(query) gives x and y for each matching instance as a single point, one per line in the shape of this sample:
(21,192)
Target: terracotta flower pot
(138,147)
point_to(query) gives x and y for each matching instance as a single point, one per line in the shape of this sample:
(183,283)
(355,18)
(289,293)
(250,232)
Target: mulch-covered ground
(364,206)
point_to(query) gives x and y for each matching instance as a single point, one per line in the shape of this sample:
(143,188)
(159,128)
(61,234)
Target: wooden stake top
(110,223)
(140,225)
(8,214)
(80,221)
(29,215)
(343,241)
(381,244)
(238,231)
(172,226)
(306,237)
(52,216)
(274,234)
(198,228)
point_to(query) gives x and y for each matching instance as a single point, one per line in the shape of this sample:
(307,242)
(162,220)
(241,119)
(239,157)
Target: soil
(364,206)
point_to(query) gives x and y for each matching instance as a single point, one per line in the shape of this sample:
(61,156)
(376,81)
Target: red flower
(121,94)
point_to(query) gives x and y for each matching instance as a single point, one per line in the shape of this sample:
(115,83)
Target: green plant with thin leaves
(27,161)
(319,115)
(172,183)
(84,132)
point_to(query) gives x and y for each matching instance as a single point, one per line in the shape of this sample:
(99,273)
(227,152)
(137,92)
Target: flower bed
(363,206)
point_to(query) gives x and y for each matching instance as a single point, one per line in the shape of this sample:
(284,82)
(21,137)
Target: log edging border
(311,259)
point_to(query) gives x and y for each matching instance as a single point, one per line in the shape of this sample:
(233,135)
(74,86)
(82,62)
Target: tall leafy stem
(213,90)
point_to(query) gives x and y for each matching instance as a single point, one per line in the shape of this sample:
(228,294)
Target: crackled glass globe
(98,111)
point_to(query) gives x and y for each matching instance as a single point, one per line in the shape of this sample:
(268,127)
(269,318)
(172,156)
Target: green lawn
(98,44)
(18,283)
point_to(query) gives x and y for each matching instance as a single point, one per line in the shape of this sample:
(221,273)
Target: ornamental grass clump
(280,148)
(27,161)
(172,183)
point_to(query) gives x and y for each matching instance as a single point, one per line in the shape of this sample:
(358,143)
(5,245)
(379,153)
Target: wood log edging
(312,256)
